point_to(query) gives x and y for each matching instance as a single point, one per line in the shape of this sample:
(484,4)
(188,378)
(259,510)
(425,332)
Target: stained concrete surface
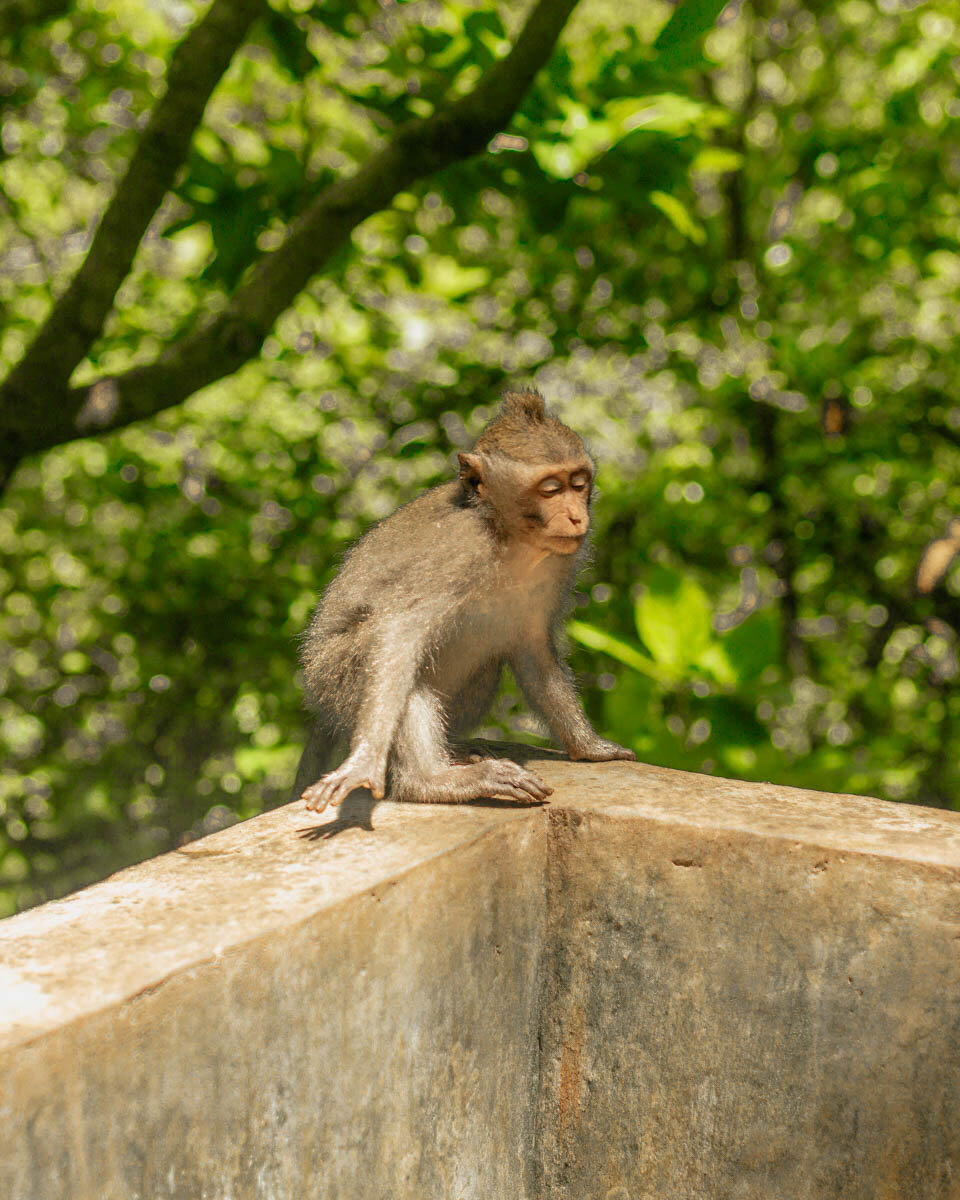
(659,985)
(269,1015)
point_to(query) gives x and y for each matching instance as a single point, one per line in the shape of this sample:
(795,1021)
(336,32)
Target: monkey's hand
(362,769)
(598,749)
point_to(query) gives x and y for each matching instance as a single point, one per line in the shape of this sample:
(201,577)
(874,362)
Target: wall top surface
(74,957)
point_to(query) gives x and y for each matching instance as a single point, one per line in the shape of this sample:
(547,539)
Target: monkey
(407,645)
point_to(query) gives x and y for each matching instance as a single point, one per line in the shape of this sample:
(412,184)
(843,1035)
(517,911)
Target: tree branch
(18,15)
(456,131)
(77,319)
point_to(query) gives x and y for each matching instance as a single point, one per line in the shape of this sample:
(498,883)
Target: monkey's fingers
(502,773)
(623,752)
(534,785)
(601,751)
(329,789)
(507,791)
(335,787)
(314,796)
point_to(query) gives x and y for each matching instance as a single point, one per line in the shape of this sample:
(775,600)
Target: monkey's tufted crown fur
(525,404)
(524,430)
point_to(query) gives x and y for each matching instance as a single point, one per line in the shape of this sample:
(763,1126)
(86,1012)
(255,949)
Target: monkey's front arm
(547,687)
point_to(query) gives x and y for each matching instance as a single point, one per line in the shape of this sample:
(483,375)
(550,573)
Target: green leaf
(753,645)
(664,112)
(589,136)
(478,23)
(556,158)
(598,639)
(674,618)
(444,276)
(715,662)
(690,20)
(453,53)
(717,160)
(486,29)
(677,214)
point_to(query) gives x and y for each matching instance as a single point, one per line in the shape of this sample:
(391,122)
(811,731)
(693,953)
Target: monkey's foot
(600,750)
(335,787)
(501,779)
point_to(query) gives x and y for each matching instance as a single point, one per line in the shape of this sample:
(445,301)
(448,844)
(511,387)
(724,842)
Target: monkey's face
(544,504)
(556,506)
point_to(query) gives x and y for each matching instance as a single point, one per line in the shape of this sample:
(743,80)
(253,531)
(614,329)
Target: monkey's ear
(471,473)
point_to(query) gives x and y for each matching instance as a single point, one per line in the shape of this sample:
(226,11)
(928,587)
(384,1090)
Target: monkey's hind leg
(421,771)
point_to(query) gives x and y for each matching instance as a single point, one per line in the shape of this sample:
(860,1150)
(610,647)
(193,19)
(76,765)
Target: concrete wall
(265,1014)
(659,986)
(763,1004)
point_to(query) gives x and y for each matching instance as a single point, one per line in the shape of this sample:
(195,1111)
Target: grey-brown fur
(408,642)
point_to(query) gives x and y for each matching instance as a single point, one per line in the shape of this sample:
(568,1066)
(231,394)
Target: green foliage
(673,618)
(588,137)
(713,678)
(696,237)
(677,42)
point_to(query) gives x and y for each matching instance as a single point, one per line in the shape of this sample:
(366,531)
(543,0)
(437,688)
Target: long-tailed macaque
(408,642)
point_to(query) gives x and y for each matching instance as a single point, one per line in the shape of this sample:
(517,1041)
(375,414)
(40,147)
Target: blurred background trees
(723,241)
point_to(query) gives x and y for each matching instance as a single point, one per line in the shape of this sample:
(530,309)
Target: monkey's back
(421,563)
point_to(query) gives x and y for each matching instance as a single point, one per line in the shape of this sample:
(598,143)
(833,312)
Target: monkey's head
(532,475)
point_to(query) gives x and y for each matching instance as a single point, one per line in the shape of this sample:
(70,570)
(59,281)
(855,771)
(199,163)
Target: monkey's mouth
(567,541)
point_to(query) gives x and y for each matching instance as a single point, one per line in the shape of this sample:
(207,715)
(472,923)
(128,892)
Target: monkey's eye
(580,482)
(550,487)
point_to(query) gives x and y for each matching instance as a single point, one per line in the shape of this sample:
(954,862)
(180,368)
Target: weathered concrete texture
(766,1004)
(659,986)
(268,1016)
